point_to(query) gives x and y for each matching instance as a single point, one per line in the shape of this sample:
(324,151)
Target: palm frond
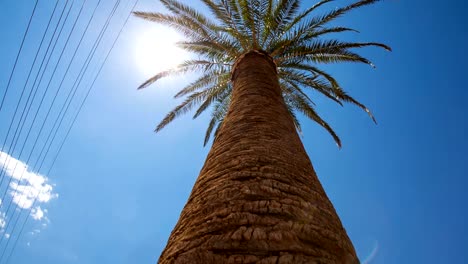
(187,66)
(292,112)
(327,48)
(314,84)
(215,93)
(292,36)
(248,17)
(304,14)
(156,77)
(182,25)
(203,82)
(322,20)
(217,117)
(181,109)
(305,108)
(230,20)
(282,14)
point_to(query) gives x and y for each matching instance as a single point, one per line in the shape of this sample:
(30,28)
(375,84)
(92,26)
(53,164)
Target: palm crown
(278,28)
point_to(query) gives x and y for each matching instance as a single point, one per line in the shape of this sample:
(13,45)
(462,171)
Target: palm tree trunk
(257,198)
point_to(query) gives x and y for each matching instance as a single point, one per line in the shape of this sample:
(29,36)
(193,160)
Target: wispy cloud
(25,187)
(2,221)
(37,213)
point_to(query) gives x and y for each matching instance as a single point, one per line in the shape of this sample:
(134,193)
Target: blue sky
(117,188)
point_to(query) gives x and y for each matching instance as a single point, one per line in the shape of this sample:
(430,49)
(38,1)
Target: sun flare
(156,51)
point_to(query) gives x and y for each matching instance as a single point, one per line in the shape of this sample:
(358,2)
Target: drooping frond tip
(296,38)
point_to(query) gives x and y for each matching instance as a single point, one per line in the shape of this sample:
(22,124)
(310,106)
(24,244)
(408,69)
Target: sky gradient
(117,188)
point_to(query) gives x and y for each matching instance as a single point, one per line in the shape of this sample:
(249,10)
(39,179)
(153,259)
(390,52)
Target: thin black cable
(40,104)
(30,72)
(37,112)
(88,92)
(72,92)
(18,55)
(65,74)
(71,95)
(74,120)
(22,122)
(36,78)
(34,202)
(31,93)
(15,143)
(35,117)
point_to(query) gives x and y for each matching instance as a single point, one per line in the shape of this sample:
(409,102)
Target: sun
(156,51)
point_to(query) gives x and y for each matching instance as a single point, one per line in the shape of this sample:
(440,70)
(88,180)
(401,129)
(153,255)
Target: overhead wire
(29,74)
(18,55)
(33,93)
(63,79)
(35,117)
(28,106)
(74,120)
(50,107)
(88,92)
(44,95)
(72,93)
(45,119)
(15,143)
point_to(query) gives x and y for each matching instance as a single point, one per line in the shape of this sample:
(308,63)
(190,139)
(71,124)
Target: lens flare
(373,253)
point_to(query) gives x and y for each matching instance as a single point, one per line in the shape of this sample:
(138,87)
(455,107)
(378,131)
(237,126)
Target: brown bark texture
(257,198)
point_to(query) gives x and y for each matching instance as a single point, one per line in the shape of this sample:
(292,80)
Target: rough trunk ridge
(257,198)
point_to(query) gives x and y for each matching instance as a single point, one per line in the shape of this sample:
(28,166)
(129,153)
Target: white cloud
(24,195)
(7,236)
(34,232)
(37,213)
(26,186)
(2,221)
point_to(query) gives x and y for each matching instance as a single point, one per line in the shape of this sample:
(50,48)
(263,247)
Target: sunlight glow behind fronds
(294,39)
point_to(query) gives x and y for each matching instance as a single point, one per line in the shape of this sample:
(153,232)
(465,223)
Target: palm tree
(257,198)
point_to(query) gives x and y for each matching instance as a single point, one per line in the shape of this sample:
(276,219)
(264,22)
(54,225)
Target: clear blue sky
(399,187)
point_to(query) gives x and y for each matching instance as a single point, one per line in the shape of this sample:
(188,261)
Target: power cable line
(88,92)
(15,143)
(46,117)
(90,89)
(74,120)
(21,121)
(64,76)
(18,55)
(35,117)
(29,74)
(72,93)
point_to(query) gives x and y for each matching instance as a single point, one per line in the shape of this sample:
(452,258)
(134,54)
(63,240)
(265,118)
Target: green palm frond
(295,38)
(309,111)
(220,110)
(193,100)
(216,92)
(327,18)
(187,66)
(221,79)
(328,48)
(304,14)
